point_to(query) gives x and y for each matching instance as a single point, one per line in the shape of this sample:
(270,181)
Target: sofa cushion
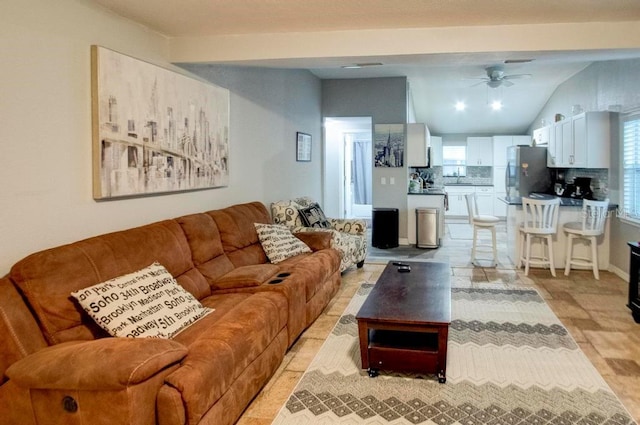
(147,303)
(313,216)
(279,243)
(237,233)
(48,277)
(225,343)
(246,276)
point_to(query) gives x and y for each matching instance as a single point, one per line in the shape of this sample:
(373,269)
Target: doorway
(348,167)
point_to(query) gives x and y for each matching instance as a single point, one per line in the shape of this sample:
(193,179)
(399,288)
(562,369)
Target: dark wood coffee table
(404,322)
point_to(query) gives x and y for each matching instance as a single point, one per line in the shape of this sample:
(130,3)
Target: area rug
(510,361)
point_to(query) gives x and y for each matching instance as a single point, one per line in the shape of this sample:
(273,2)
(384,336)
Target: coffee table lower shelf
(422,351)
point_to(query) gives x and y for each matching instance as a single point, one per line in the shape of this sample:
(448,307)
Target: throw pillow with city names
(148,303)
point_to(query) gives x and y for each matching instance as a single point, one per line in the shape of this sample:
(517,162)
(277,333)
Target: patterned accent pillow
(148,303)
(313,216)
(279,243)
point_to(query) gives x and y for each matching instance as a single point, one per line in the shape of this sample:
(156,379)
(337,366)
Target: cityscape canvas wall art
(154,130)
(389,145)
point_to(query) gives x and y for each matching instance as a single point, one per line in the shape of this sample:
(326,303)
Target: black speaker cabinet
(634,277)
(385,227)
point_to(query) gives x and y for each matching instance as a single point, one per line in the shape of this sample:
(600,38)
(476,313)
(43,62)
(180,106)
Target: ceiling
(437,81)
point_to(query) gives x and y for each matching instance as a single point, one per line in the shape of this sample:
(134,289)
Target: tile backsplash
(599,179)
(476,175)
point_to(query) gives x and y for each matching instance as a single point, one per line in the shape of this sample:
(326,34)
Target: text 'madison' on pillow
(148,303)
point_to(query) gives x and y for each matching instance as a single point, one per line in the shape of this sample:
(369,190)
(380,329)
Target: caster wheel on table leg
(372,373)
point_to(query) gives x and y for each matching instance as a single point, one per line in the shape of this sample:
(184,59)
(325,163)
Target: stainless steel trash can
(427,229)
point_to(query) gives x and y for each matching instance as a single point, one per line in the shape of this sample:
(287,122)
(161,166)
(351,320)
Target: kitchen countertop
(428,192)
(468,184)
(564,202)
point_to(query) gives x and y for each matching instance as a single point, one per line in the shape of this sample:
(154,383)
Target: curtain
(362,170)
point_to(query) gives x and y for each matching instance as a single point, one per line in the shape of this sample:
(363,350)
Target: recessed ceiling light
(362,65)
(460,106)
(496,105)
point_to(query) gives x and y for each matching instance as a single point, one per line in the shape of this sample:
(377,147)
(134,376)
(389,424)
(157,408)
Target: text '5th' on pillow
(148,303)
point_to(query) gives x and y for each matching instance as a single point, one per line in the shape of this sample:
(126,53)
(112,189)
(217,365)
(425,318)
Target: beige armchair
(303,214)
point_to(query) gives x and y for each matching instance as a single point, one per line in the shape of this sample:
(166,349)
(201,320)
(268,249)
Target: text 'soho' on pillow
(148,303)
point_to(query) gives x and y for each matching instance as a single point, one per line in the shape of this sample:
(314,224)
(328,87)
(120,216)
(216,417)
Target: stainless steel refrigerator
(527,171)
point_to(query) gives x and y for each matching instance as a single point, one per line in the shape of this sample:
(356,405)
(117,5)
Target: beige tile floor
(594,312)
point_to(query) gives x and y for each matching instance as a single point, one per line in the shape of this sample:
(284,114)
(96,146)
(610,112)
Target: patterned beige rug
(510,361)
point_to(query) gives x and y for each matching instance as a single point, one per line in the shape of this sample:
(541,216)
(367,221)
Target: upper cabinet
(542,135)
(479,151)
(417,143)
(436,151)
(581,141)
(500,145)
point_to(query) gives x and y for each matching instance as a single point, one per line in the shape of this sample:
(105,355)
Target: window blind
(631,166)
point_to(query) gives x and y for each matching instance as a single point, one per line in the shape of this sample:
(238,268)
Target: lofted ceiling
(437,81)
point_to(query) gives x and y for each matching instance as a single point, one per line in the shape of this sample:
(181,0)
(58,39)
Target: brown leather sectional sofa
(57,366)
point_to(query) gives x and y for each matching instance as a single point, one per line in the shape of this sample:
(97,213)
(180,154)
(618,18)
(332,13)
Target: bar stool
(540,221)
(594,215)
(478,221)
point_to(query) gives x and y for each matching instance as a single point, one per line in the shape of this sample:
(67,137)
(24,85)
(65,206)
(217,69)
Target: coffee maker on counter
(580,188)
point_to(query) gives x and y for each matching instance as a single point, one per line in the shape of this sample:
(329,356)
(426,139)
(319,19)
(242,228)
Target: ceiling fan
(496,77)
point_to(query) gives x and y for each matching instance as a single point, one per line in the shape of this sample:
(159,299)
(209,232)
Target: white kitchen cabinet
(499,180)
(582,141)
(522,140)
(564,138)
(560,138)
(480,151)
(484,198)
(457,201)
(554,154)
(591,139)
(417,144)
(436,151)
(500,145)
(541,136)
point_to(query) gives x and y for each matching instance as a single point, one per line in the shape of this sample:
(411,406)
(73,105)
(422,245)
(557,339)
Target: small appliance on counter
(415,183)
(579,189)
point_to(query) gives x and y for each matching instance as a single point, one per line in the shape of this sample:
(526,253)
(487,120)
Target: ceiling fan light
(494,83)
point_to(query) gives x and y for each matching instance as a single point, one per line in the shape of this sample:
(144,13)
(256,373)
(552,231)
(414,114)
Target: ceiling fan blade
(516,76)
(484,81)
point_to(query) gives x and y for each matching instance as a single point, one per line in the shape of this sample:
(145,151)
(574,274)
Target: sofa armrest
(316,240)
(355,226)
(102,364)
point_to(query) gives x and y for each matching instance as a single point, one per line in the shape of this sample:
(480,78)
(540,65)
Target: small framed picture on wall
(303,147)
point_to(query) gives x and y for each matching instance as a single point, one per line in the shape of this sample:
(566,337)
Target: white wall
(45,132)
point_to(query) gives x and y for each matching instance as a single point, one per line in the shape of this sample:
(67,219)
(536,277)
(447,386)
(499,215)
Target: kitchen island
(570,210)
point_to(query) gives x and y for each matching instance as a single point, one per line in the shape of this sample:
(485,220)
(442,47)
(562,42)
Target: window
(631,166)
(454,160)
